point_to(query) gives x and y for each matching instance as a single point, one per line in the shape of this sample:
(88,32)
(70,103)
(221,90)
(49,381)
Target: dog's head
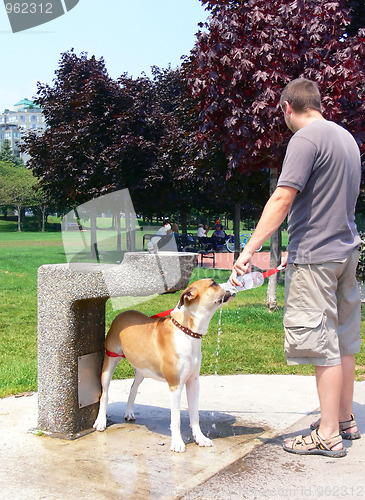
(204,294)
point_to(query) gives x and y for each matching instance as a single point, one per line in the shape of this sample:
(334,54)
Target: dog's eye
(214,283)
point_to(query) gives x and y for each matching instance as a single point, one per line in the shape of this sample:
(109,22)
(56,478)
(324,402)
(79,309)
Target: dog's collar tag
(187,330)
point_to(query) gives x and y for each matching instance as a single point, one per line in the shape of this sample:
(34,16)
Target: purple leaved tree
(243,58)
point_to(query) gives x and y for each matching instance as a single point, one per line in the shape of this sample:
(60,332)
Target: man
(219,233)
(318,187)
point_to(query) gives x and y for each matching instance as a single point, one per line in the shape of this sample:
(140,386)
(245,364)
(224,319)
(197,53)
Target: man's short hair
(302,95)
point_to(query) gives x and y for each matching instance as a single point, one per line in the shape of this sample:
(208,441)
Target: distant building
(14,124)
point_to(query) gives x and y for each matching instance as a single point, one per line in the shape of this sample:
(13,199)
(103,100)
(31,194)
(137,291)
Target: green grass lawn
(250,338)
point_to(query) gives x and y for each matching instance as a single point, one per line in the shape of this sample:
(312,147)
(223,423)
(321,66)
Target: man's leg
(347,394)
(349,318)
(329,381)
(346,402)
(335,386)
(329,387)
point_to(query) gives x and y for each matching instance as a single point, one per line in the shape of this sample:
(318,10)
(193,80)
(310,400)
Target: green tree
(6,154)
(17,188)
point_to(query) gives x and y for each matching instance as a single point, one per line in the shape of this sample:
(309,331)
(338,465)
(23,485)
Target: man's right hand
(240,267)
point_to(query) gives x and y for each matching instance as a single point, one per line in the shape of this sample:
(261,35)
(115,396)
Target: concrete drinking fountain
(71,329)
(72,299)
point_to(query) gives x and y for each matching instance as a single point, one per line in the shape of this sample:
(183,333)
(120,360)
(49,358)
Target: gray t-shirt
(322,162)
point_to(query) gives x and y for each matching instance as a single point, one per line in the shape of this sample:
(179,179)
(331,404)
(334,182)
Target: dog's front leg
(192,394)
(177,443)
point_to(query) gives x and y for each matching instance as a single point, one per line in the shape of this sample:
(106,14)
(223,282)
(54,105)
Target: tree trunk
(275,253)
(117,226)
(19,218)
(236,229)
(93,238)
(275,258)
(44,217)
(130,229)
(184,222)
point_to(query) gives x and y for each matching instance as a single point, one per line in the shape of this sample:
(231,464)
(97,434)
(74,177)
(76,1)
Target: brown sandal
(317,446)
(345,428)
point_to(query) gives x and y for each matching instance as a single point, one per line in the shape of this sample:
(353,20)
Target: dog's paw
(201,440)
(129,415)
(177,445)
(100,424)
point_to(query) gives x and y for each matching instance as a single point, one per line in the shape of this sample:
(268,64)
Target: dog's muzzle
(228,288)
(229,294)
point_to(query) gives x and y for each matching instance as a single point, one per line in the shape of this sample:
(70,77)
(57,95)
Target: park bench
(205,247)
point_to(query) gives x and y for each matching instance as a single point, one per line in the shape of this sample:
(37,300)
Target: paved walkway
(247,417)
(269,473)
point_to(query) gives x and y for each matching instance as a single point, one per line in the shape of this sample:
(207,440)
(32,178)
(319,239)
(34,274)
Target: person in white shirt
(164,230)
(201,233)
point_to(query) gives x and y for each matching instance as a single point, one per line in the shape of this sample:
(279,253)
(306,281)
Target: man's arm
(274,213)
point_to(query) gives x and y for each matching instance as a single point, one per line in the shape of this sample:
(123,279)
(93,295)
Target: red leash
(275,270)
(113,354)
(163,314)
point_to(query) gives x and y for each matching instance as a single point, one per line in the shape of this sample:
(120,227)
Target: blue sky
(131,36)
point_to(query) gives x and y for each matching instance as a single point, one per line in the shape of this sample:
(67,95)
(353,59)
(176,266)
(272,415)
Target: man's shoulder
(326,132)
(315,132)
(318,127)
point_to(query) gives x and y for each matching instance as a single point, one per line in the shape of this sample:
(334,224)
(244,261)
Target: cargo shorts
(322,312)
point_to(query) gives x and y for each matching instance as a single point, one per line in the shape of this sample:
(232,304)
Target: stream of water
(218,339)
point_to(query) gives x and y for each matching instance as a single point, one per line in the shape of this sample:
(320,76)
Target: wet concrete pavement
(246,416)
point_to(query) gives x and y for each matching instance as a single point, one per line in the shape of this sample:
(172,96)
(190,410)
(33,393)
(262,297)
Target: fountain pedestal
(71,329)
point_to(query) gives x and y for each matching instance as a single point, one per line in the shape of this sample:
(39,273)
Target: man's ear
(188,294)
(287,108)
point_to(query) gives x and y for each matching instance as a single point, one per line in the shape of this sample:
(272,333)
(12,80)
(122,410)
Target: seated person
(165,229)
(219,233)
(218,238)
(156,241)
(201,233)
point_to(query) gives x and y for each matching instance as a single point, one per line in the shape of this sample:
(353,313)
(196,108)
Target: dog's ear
(190,293)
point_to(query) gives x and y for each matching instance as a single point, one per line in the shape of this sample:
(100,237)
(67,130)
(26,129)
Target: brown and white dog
(165,349)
